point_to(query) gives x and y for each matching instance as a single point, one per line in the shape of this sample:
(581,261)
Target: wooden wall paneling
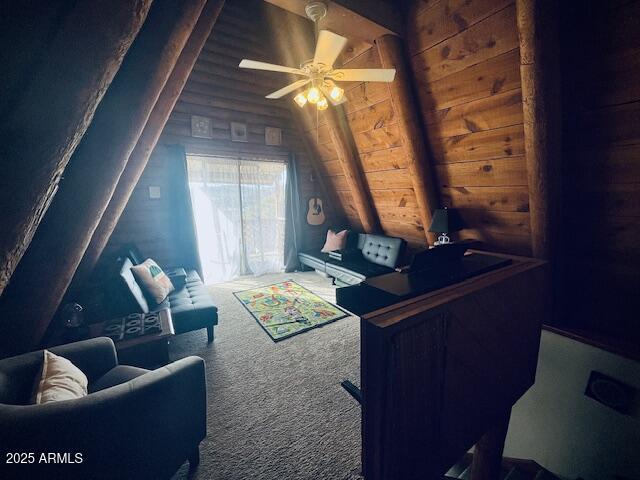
(35,153)
(495,143)
(93,173)
(487,173)
(445,19)
(418,158)
(465,59)
(149,137)
(502,110)
(507,199)
(496,75)
(482,41)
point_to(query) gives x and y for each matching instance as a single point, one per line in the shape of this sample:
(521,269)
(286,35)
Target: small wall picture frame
(239,132)
(273,136)
(201,127)
(155,192)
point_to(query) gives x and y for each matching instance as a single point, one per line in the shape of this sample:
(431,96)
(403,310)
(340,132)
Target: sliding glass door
(239,213)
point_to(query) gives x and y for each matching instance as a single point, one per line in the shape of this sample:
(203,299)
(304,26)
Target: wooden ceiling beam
(538,33)
(539,72)
(149,138)
(49,264)
(35,150)
(414,140)
(364,20)
(344,144)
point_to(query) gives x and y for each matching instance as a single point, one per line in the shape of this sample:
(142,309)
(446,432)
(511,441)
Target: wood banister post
(148,139)
(342,139)
(487,456)
(392,55)
(47,268)
(69,84)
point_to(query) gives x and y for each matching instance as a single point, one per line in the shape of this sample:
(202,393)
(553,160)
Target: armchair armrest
(94,356)
(144,428)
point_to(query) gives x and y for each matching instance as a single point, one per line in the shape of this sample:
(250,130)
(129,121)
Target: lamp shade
(445,220)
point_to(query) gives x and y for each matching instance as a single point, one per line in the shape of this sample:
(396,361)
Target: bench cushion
(191,305)
(355,271)
(314,259)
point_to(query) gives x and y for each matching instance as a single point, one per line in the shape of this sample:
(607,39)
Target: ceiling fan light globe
(322,104)
(313,95)
(300,99)
(336,93)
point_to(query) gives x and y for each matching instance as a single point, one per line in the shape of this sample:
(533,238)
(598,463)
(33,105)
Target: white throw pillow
(154,281)
(60,380)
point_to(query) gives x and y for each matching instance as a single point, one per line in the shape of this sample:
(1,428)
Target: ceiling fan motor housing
(316,11)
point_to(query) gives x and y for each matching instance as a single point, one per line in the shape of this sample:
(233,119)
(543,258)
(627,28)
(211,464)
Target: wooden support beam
(69,83)
(487,456)
(148,139)
(342,139)
(538,35)
(47,268)
(405,104)
(537,31)
(364,20)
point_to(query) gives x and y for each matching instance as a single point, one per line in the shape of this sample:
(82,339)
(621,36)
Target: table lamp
(444,221)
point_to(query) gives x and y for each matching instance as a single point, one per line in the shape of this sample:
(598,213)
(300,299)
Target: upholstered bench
(190,303)
(367,256)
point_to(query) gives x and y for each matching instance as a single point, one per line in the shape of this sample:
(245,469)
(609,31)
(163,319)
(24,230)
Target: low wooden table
(149,350)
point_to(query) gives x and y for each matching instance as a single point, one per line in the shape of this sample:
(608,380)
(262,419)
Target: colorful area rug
(286,309)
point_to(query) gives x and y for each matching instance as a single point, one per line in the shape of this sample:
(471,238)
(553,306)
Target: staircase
(512,469)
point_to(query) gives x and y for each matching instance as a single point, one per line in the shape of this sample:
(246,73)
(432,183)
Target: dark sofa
(190,303)
(367,255)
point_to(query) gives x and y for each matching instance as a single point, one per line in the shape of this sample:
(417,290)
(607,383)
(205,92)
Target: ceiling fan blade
(288,89)
(271,67)
(364,74)
(328,47)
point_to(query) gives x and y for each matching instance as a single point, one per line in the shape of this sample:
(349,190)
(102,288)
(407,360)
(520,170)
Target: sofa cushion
(382,250)
(354,271)
(116,376)
(191,306)
(314,259)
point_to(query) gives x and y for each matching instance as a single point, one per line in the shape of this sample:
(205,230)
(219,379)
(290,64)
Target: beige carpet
(276,410)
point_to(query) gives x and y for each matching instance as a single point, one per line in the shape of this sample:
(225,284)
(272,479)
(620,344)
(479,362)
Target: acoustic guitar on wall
(315,214)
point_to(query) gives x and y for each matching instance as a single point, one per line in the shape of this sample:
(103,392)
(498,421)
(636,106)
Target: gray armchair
(134,423)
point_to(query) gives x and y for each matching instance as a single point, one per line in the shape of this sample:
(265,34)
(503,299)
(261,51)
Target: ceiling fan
(319,71)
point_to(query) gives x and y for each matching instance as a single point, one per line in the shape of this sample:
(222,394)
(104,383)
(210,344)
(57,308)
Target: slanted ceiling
(465,62)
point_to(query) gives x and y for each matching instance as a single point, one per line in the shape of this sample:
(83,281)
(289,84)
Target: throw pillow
(153,280)
(335,241)
(60,380)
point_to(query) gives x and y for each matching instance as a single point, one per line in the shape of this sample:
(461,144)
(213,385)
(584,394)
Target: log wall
(218,89)
(465,60)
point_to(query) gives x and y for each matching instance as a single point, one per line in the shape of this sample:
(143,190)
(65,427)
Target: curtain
(292,225)
(239,212)
(182,228)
